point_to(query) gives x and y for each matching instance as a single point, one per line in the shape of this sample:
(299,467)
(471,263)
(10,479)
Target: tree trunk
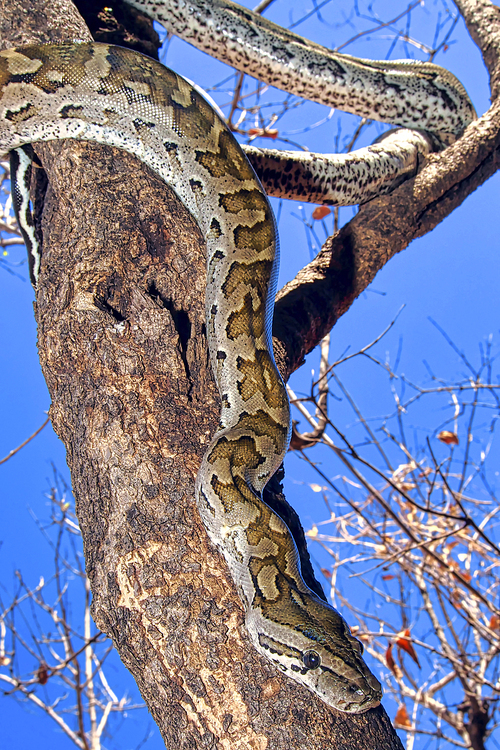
(120,311)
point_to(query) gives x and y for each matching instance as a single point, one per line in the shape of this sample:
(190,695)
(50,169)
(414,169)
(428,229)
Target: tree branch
(482,19)
(309,305)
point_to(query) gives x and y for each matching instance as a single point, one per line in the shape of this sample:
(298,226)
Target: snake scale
(114,96)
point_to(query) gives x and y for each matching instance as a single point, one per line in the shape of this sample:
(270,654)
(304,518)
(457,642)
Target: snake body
(113,96)
(410,94)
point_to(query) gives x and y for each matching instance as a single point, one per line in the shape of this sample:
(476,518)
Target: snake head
(311,643)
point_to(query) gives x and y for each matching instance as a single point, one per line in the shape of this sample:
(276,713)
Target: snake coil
(97,92)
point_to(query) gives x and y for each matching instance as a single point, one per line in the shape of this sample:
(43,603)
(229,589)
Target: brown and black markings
(109,95)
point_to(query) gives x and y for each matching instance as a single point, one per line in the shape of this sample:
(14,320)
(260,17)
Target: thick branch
(324,290)
(120,310)
(45,21)
(482,19)
(121,319)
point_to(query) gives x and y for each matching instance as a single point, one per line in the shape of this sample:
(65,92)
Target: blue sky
(450,275)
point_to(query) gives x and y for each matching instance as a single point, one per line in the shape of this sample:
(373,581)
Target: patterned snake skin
(114,96)
(409,94)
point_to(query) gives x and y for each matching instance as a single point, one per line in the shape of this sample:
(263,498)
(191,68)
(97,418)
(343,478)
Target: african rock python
(114,96)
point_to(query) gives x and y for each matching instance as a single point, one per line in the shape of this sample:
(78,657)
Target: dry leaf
(4,660)
(403,470)
(320,212)
(450,438)
(316,487)
(406,486)
(312,533)
(391,663)
(495,622)
(366,637)
(298,442)
(389,660)
(464,573)
(327,573)
(42,674)
(402,718)
(271,133)
(405,644)
(388,577)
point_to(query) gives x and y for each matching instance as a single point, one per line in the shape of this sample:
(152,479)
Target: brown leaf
(389,660)
(388,577)
(355,631)
(320,212)
(495,622)
(403,642)
(366,637)
(262,133)
(406,486)
(450,438)
(42,674)
(327,573)
(464,573)
(298,441)
(402,717)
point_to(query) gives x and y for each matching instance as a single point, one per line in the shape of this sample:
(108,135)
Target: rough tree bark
(121,337)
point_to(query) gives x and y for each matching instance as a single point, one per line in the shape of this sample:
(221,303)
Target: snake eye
(311,659)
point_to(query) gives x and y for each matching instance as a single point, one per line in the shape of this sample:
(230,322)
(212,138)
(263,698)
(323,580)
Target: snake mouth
(352,707)
(365,705)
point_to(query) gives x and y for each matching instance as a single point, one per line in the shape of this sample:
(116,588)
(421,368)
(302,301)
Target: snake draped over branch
(98,92)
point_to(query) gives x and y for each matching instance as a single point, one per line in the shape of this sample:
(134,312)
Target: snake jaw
(312,644)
